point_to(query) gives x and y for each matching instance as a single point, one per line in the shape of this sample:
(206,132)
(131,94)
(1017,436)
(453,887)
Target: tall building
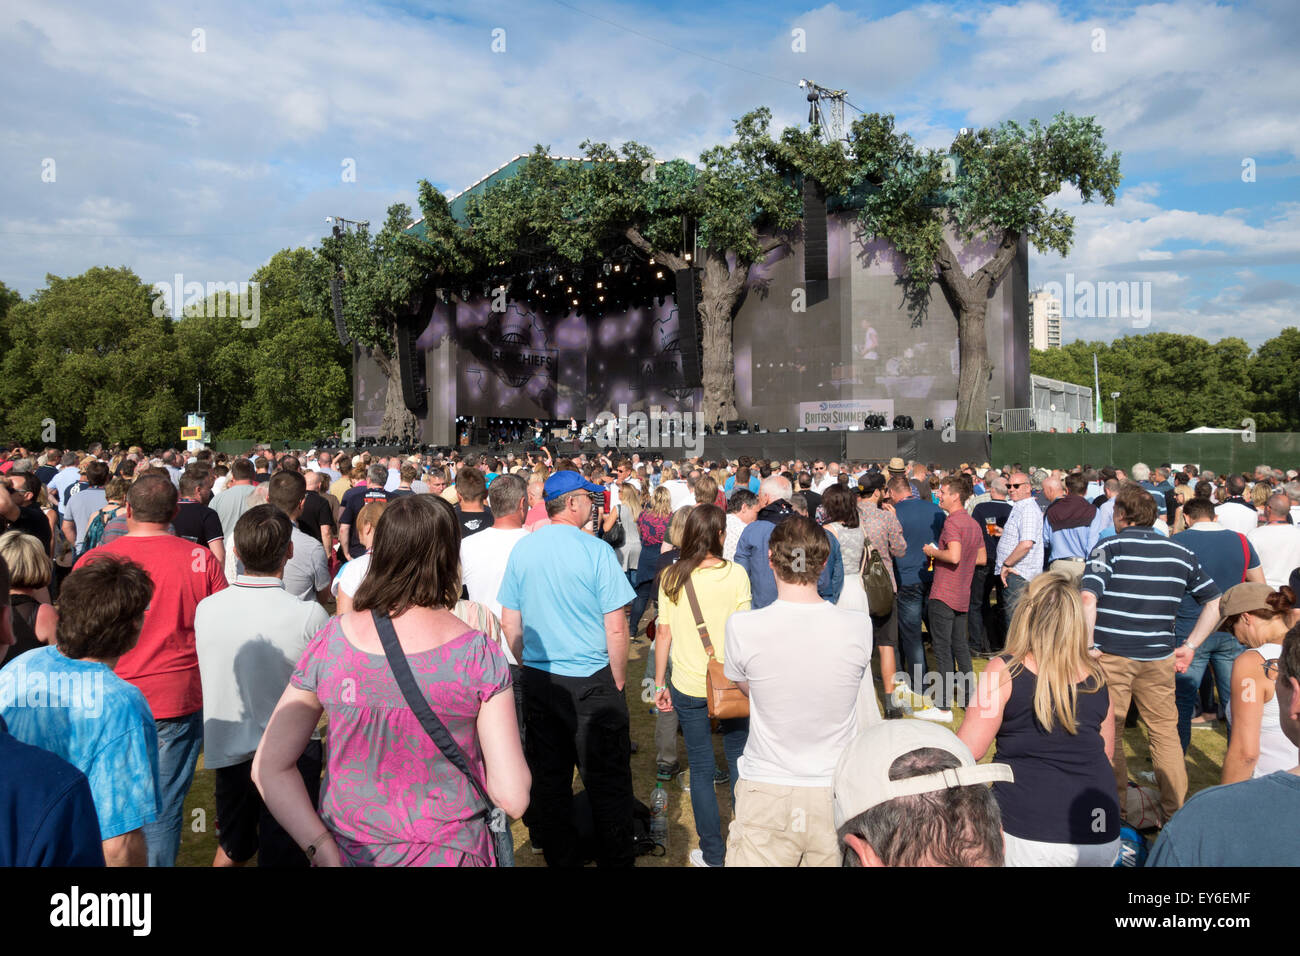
(1044,320)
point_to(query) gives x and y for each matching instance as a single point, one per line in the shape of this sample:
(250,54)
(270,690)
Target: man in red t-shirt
(164,663)
(954,566)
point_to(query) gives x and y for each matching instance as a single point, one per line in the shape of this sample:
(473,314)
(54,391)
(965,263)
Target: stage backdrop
(799,363)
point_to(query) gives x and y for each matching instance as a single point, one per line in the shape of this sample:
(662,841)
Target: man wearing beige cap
(884,813)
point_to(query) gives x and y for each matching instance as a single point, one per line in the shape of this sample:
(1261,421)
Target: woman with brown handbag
(697,595)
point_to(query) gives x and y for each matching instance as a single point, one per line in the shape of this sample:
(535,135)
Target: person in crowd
(629,554)
(317,519)
(249,638)
(652,527)
(84,505)
(922,524)
(390,797)
(64,486)
(1277,541)
(1045,703)
(233,501)
(163,663)
(474,516)
(45,801)
(1228,558)
(813,499)
(349,577)
(960,547)
(987,623)
(1067,526)
(405,475)
(1259,617)
(563,598)
(90,716)
(808,697)
(909,793)
(19,508)
(800,505)
(884,534)
(35,619)
(700,582)
(194,520)
(353,501)
(1234,512)
(845,524)
(742,509)
(1247,823)
(1131,592)
(306,575)
(751,551)
(1020,542)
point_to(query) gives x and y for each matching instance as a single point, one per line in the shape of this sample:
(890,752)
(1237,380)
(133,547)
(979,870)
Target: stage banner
(842,413)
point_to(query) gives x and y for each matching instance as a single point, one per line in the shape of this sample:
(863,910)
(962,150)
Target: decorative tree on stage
(739,205)
(388,279)
(996,190)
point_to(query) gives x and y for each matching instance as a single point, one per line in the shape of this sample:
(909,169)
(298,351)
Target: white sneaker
(906,699)
(697,858)
(936,714)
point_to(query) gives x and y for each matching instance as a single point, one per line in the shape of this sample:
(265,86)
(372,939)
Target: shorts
(245,828)
(884,630)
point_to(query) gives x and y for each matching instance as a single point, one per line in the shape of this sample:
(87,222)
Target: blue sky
(206,152)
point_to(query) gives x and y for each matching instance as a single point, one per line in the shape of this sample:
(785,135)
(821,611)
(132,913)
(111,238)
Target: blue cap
(563,482)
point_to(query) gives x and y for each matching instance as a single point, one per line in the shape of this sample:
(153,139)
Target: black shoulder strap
(434,727)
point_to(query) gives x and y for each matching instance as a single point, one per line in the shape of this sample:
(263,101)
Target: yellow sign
(191,434)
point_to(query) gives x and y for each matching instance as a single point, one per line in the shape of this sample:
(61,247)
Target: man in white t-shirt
(807,700)
(678,489)
(1277,543)
(484,556)
(1234,513)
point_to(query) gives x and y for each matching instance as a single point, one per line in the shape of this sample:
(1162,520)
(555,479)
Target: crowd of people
(386,658)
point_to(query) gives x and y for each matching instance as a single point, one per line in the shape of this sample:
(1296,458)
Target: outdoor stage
(925,446)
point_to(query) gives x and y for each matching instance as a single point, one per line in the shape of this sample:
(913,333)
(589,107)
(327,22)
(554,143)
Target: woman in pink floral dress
(389,797)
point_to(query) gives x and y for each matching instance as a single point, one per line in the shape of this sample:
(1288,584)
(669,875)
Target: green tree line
(1172,383)
(96,356)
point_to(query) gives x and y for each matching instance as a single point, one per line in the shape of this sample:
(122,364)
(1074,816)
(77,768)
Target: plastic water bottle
(659,816)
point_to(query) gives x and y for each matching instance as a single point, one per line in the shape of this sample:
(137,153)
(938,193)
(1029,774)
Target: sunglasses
(1017,484)
(1271,669)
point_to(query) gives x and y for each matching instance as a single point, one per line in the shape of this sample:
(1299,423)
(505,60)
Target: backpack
(95,533)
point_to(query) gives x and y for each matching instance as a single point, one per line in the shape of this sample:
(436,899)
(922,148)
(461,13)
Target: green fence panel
(1220,453)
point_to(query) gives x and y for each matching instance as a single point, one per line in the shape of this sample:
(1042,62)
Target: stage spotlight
(929,425)
(801,429)
(464,294)
(607,267)
(823,428)
(782,431)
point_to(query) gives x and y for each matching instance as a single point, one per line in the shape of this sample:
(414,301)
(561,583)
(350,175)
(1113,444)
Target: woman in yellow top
(721,588)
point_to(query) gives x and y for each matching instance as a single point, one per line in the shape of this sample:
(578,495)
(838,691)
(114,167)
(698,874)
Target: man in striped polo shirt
(1131,591)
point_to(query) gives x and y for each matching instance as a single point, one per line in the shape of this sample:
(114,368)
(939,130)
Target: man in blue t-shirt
(67,700)
(45,803)
(1251,823)
(1229,559)
(562,608)
(922,522)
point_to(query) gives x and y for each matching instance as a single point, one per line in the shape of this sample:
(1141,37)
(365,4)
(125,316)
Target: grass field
(198,839)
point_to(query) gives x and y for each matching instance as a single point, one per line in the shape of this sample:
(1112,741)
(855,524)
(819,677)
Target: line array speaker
(408,363)
(690,336)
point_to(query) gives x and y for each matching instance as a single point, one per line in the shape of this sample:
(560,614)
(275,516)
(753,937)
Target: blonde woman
(720,588)
(1259,618)
(1045,702)
(34,618)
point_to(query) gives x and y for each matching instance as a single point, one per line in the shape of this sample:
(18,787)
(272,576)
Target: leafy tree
(89,353)
(741,202)
(388,279)
(1005,177)
(1275,380)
